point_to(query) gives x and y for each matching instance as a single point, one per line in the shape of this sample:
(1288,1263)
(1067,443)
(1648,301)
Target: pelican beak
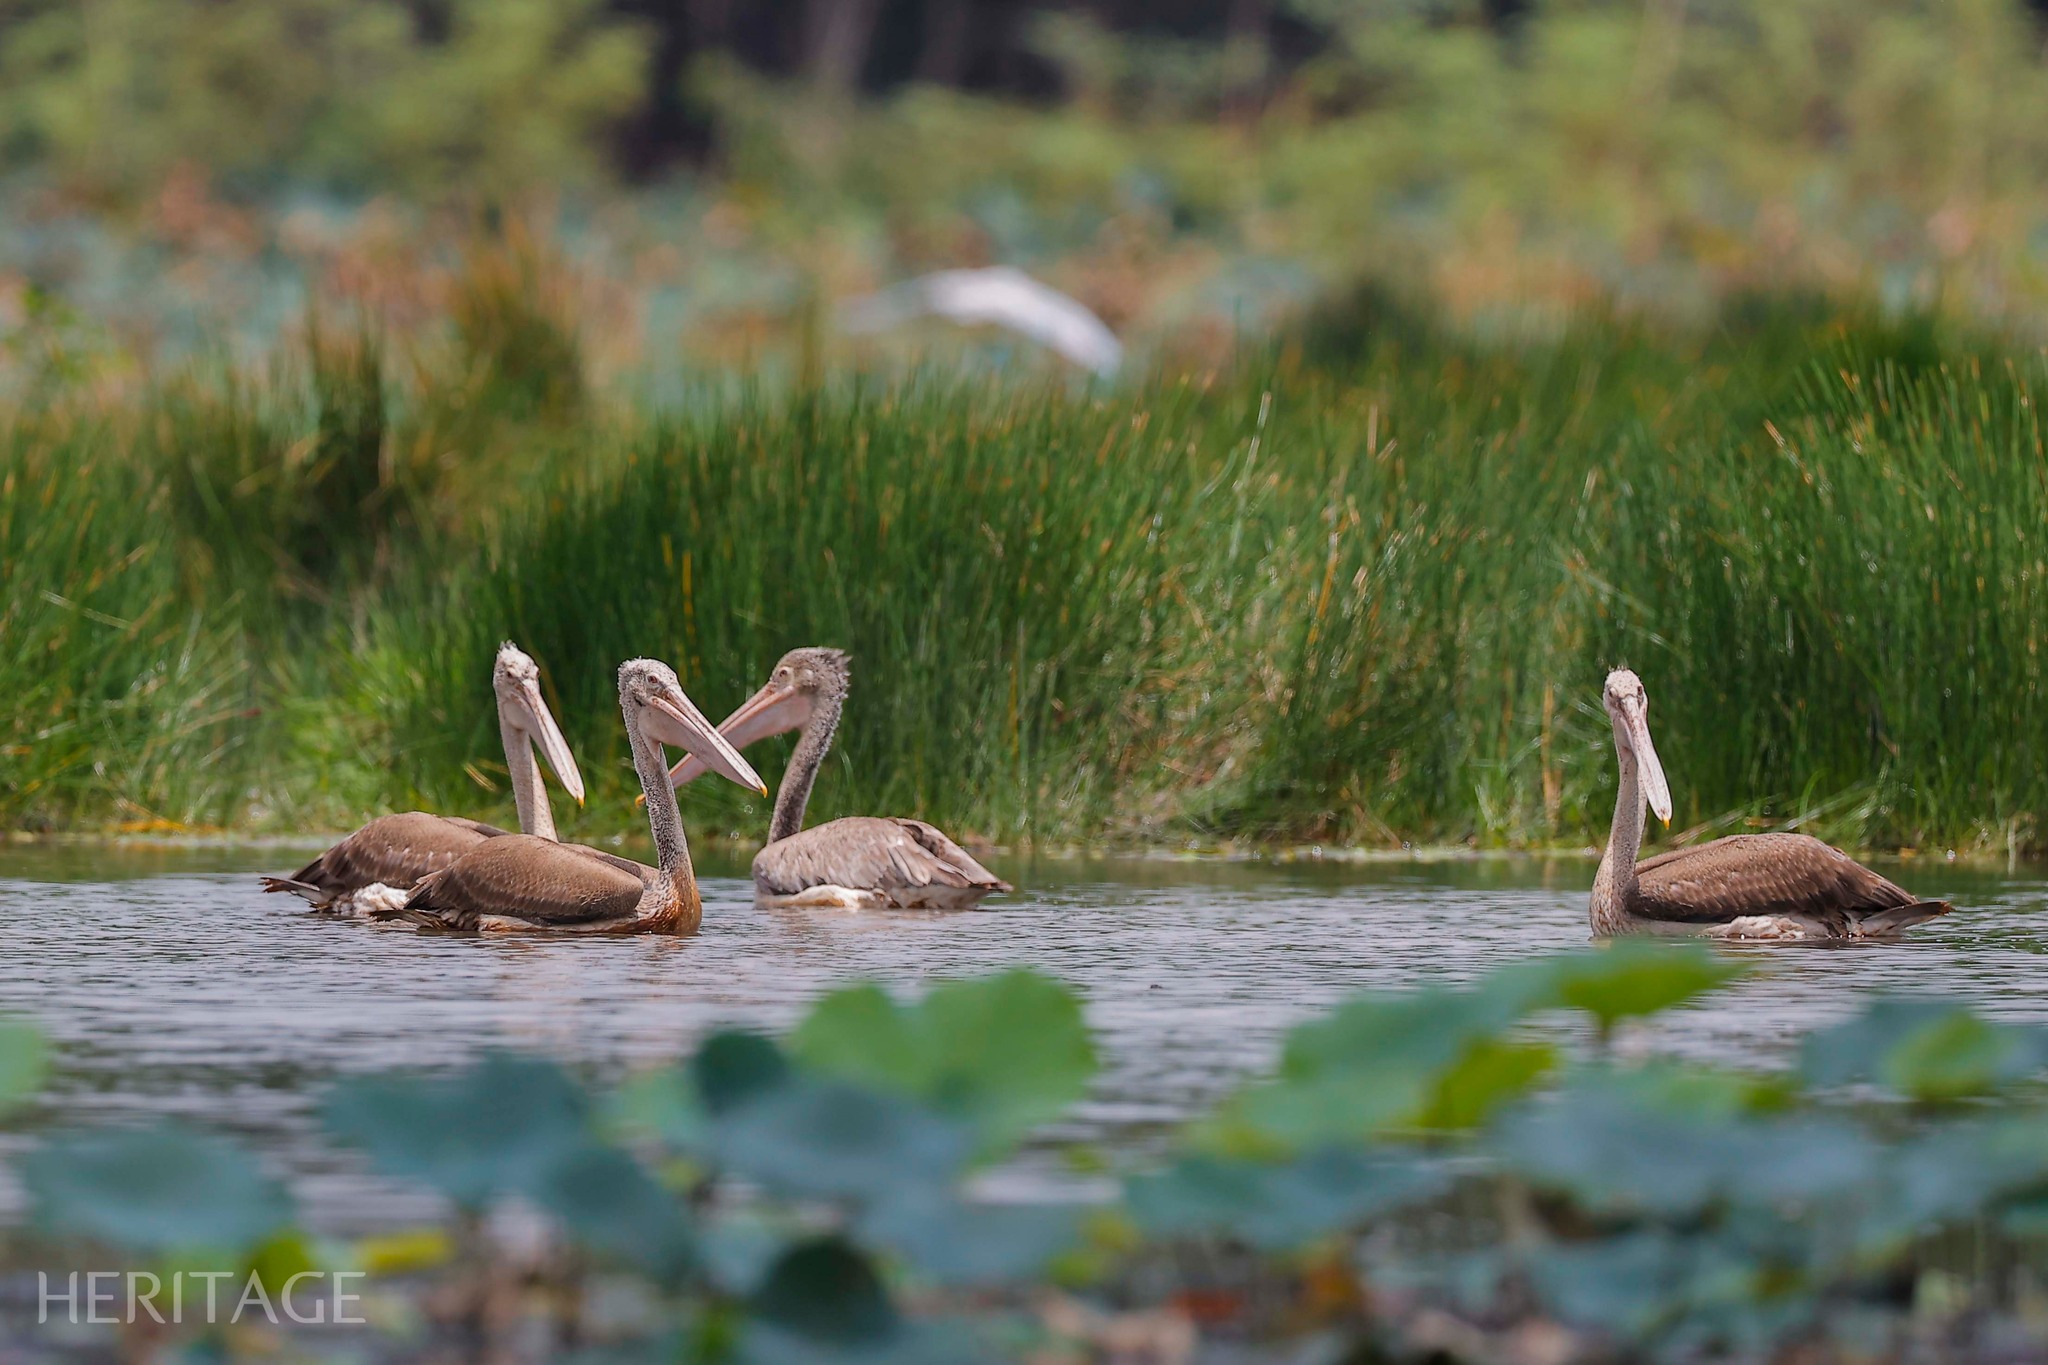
(1649,771)
(673,719)
(774,710)
(530,712)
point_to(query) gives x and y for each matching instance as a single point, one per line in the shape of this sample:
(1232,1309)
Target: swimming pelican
(377,865)
(518,882)
(862,861)
(1765,886)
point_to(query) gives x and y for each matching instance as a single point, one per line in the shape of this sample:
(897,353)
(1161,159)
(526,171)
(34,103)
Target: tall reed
(1366,597)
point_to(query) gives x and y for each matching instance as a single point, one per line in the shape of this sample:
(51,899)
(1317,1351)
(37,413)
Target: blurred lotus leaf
(1926,1050)
(738,1247)
(822,1301)
(155,1189)
(664,1104)
(1002,1054)
(1417,1034)
(280,1257)
(23,1059)
(1636,1283)
(1610,1150)
(1626,980)
(735,1066)
(953,1242)
(829,1139)
(1489,1073)
(497,1128)
(1705,1092)
(1381,1062)
(1277,1207)
(607,1202)
(403,1253)
(1949,1175)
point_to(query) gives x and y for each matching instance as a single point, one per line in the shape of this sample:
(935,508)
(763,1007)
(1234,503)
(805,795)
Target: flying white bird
(998,296)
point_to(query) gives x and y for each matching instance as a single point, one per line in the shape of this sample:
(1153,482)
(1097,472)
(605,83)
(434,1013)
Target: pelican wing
(394,850)
(478,826)
(530,879)
(1762,874)
(870,853)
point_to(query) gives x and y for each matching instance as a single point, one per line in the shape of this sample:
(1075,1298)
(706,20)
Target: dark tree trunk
(836,38)
(944,58)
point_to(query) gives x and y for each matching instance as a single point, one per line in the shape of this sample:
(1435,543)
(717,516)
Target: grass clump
(1362,597)
(127,700)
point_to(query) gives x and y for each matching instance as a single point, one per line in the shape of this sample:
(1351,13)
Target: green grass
(1364,596)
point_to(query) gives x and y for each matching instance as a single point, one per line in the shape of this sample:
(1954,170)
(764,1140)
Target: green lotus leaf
(155,1189)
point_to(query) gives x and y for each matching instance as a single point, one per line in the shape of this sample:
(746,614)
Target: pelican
(378,864)
(1749,886)
(863,861)
(519,882)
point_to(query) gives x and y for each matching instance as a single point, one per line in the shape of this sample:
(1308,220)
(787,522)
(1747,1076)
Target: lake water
(172,987)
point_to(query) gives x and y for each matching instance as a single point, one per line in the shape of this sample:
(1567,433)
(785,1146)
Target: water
(172,987)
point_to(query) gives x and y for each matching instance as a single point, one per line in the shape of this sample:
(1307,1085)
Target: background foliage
(721,174)
(1363,589)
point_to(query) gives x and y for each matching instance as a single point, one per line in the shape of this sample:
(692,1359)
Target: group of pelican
(444,872)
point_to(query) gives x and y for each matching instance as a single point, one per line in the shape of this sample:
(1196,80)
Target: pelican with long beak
(1748,886)
(523,883)
(377,866)
(861,861)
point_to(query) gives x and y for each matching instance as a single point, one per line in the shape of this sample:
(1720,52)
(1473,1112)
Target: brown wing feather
(1761,874)
(870,853)
(529,879)
(488,831)
(394,850)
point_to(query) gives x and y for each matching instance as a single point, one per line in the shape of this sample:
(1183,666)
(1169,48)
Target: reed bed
(1364,595)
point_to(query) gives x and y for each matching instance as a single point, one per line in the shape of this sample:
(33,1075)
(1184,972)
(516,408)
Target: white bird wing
(999,296)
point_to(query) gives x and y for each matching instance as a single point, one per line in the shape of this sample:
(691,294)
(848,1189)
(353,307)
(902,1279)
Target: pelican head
(1628,707)
(657,706)
(516,679)
(784,703)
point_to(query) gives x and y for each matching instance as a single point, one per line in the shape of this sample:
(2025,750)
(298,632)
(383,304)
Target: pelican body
(861,861)
(1747,886)
(518,882)
(377,866)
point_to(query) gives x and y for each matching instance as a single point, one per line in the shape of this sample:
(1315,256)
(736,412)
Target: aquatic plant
(1439,1170)
(1368,606)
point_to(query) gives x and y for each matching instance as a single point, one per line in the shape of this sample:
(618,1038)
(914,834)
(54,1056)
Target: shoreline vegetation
(1357,590)
(727,845)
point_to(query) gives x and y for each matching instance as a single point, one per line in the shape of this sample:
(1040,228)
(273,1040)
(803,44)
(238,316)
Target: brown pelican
(862,861)
(377,865)
(519,882)
(1765,886)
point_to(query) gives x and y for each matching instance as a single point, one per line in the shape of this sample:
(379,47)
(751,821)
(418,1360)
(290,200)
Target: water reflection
(173,987)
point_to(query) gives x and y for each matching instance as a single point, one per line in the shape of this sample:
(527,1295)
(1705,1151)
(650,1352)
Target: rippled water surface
(171,986)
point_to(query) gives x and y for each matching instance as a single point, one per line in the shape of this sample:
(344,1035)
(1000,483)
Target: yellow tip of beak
(640,799)
(762,788)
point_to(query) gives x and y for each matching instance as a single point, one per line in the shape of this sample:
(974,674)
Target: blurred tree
(113,93)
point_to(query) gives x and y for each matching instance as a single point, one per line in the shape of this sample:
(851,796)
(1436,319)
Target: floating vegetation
(1443,1175)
